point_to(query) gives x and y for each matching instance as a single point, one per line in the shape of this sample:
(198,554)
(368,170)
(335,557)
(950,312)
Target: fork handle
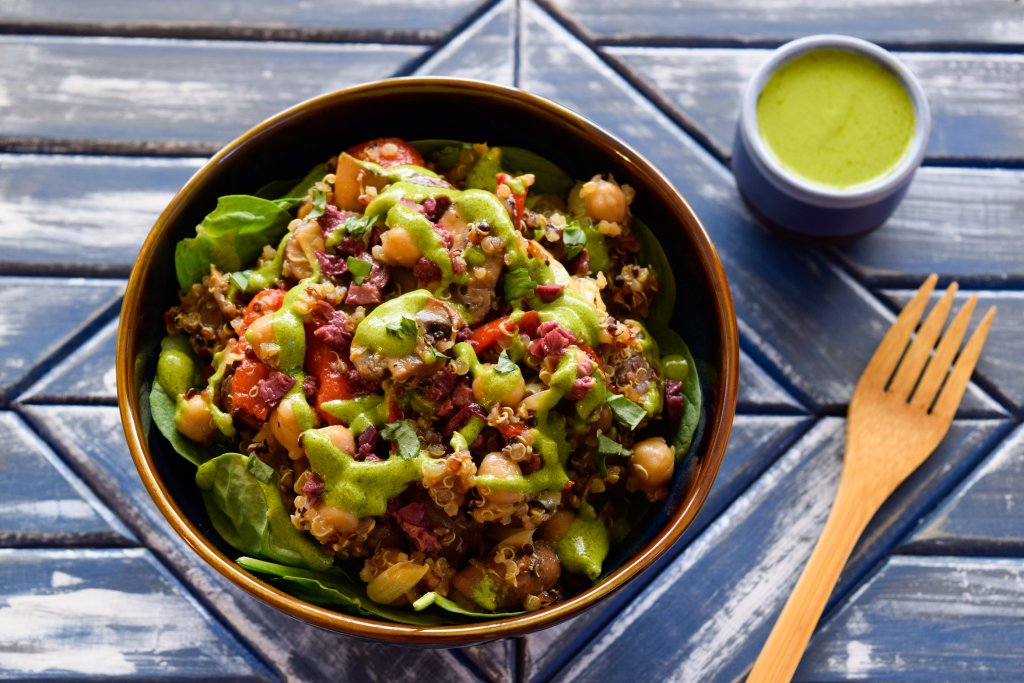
(785,646)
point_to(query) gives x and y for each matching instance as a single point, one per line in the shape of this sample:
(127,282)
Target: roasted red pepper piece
(387,152)
(264,302)
(245,395)
(332,384)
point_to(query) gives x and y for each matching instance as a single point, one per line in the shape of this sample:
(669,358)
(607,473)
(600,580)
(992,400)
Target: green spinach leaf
(230,237)
(333,588)
(548,178)
(653,254)
(242,497)
(432,598)
(176,373)
(670,343)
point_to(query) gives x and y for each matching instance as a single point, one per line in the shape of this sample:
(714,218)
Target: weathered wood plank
(759,392)
(709,612)
(86,375)
(80,614)
(923,619)
(91,438)
(75,215)
(800,313)
(486,50)
(42,503)
(969,95)
(981,516)
(1000,364)
(753,446)
(963,223)
(186,94)
(40,316)
(900,22)
(326,20)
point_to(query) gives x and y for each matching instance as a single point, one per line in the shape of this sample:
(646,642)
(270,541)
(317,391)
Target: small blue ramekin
(796,204)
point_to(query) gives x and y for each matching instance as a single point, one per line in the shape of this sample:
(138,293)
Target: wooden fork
(900,411)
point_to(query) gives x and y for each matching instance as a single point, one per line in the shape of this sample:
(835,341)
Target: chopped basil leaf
(359,268)
(403,435)
(403,328)
(319,196)
(574,239)
(240,279)
(505,364)
(518,284)
(357,227)
(606,447)
(625,411)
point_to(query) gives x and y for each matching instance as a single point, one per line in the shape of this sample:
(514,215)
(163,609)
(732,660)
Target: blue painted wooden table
(106,108)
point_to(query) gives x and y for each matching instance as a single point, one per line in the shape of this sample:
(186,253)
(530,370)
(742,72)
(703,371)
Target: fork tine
(890,349)
(956,384)
(938,367)
(920,349)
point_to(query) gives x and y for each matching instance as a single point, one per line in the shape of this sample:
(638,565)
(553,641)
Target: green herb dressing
(585,545)
(836,117)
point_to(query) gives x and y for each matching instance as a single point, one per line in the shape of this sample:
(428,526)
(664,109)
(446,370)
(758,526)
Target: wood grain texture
(169,94)
(755,443)
(42,503)
(86,375)
(42,316)
(962,223)
(709,612)
(76,215)
(485,50)
(926,619)
(969,95)
(982,515)
(326,19)
(759,392)
(817,327)
(902,22)
(91,438)
(79,614)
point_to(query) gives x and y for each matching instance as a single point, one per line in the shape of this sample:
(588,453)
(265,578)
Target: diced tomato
(332,384)
(510,429)
(264,302)
(245,397)
(387,152)
(529,322)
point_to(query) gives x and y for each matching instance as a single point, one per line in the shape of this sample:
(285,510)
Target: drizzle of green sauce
(381,330)
(836,117)
(358,413)
(362,488)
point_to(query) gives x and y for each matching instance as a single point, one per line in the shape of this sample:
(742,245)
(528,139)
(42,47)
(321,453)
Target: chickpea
(284,425)
(328,520)
(341,437)
(398,246)
(555,528)
(544,572)
(260,335)
(652,464)
(489,388)
(604,200)
(194,419)
(498,466)
(346,184)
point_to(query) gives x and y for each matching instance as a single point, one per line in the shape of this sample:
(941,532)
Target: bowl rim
(813,192)
(717,427)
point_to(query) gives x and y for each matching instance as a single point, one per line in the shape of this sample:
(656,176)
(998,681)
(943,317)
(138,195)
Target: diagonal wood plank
(485,50)
(327,20)
(78,215)
(83,614)
(177,95)
(923,619)
(810,298)
(86,375)
(902,22)
(42,316)
(91,438)
(982,515)
(56,508)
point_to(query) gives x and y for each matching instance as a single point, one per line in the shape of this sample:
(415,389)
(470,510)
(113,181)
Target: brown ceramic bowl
(290,143)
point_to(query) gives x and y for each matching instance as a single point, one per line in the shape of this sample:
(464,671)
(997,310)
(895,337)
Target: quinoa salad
(430,382)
